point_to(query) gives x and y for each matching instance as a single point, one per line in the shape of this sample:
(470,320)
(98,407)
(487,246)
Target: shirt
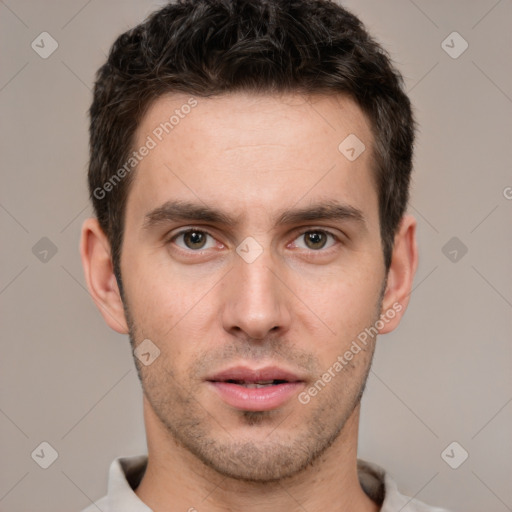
(126,473)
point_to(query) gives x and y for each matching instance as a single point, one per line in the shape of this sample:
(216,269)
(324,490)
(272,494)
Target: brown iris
(315,239)
(194,239)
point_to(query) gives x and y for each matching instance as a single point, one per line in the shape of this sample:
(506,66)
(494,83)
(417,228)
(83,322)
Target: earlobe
(99,275)
(401,273)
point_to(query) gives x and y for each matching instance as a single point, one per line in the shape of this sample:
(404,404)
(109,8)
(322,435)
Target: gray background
(443,376)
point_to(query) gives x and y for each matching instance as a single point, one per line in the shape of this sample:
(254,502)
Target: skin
(297,306)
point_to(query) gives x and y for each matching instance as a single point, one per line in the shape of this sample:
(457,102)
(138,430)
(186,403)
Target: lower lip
(256,399)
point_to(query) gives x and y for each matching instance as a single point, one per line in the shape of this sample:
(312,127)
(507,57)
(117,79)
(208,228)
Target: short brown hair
(210,47)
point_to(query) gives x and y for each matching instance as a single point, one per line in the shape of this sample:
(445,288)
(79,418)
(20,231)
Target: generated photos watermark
(343,360)
(152,141)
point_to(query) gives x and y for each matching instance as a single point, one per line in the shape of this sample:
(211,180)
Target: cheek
(156,290)
(154,305)
(170,307)
(343,302)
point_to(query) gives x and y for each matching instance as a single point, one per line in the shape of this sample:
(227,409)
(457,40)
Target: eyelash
(302,233)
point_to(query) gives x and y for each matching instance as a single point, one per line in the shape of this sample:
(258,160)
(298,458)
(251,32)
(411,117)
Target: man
(250,165)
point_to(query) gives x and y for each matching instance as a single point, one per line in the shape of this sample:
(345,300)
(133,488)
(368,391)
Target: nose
(255,301)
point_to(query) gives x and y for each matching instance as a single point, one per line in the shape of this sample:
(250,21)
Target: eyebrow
(174,211)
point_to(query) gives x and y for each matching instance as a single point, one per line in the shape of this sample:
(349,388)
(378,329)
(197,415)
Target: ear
(404,263)
(99,275)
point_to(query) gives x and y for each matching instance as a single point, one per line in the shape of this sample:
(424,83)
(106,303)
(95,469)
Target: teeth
(257,385)
(260,384)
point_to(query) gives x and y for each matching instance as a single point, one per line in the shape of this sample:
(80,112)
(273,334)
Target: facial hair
(290,447)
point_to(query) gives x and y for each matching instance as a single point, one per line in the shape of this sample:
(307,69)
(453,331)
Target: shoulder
(381,488)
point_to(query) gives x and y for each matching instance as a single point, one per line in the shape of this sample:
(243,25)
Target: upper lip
(253,375)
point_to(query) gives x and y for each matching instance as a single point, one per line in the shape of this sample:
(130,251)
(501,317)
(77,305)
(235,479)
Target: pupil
(196,239)
(316,240)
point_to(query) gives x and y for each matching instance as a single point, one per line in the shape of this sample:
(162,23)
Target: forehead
(246,152)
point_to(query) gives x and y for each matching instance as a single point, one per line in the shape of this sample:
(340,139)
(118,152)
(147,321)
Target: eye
(193,239)
(315,240)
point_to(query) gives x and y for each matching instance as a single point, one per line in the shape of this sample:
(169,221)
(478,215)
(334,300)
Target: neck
(175,480)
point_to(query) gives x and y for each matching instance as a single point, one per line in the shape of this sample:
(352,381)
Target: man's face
(236,307)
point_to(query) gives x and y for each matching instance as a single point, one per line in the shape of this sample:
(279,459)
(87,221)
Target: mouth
(250,389)
(257,385)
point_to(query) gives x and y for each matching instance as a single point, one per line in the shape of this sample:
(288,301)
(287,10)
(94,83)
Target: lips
(260,389)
